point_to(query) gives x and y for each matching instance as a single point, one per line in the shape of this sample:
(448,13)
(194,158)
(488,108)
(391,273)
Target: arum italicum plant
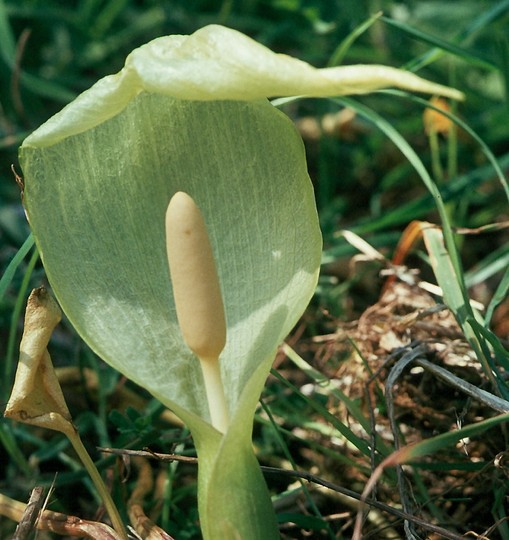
(190,114)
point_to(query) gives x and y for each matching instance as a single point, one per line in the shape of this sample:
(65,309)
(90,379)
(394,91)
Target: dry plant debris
(454,488)
(56,522)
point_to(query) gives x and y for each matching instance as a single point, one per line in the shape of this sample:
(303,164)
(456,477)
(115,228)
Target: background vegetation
(362,328)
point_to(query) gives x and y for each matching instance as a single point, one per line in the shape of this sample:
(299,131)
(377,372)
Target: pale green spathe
(96,203)
(218,63)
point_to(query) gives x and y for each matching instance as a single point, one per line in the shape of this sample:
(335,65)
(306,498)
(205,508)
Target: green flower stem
(233,499)
(89,465)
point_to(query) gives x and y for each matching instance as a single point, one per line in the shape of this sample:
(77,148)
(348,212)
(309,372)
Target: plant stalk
(215,393)
(105,495)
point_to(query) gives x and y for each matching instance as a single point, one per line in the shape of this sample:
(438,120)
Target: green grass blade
(341,428)
(46,88)
(454,297)
(501,353)
(471,57)
(494,263)
(484,18)
(317,427)
(8,275)
(22,294)
(7,41)
(500,295)
(327,386)
(430,446)
(337,56)
(289,457)
(8,441)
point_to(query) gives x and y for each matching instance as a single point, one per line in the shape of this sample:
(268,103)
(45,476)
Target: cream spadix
(198,298)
